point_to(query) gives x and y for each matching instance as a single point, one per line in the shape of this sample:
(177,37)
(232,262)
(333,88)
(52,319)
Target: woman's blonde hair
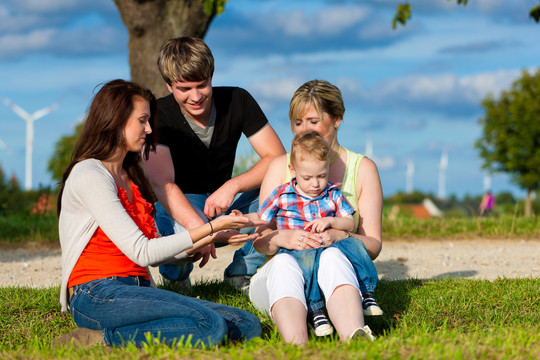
(325,97)
(185,58)
(309,144)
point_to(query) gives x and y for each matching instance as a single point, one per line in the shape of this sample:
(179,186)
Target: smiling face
(137,125)
(194,98)
(310,120)
(311,175)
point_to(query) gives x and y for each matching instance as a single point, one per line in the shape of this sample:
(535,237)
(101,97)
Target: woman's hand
(300,240)
(330,236)
(233,237)
(235,220)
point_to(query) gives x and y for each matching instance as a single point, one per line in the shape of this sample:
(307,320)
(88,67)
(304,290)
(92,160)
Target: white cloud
(384,162)
(49,5)
(281,89)
(334,20)
(32,41)
(489,5)
(327,22)
(56,6)
(445,89)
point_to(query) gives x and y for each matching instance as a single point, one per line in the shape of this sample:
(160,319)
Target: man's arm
(160,170)
(267,145)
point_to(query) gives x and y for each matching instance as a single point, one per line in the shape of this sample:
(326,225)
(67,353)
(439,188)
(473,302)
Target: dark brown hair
(103,132)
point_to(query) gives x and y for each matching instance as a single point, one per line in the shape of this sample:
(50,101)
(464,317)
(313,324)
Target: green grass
(424,319)
(505,226)
(29,228)
(44,228)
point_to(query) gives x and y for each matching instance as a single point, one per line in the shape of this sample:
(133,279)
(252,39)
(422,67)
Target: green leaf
(535,13)
(403,13)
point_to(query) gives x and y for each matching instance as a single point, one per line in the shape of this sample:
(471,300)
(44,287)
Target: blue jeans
(245,261)
(353,249)
(127,308)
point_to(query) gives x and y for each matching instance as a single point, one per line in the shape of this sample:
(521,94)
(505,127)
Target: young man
(199,128)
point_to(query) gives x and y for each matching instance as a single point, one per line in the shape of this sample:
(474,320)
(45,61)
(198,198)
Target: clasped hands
(315,234)
(228,234)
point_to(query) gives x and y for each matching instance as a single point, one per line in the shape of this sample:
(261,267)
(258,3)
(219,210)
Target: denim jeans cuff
(312,306)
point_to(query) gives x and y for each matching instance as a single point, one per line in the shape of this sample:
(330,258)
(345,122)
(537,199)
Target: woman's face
(137,126)
(310,120)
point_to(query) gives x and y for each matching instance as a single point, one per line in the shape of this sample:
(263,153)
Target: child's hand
(318,225)
(236,220)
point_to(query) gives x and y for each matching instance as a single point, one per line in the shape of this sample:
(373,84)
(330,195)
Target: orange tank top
(101,258)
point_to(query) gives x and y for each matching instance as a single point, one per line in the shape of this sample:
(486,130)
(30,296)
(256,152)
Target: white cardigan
(89,201)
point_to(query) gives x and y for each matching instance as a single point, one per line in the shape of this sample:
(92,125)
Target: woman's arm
(370,202)
(94,190)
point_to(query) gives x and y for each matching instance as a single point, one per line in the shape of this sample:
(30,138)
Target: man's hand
(204,253)
(220,200)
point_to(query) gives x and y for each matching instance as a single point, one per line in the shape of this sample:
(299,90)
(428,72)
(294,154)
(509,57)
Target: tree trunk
(528,203)
(152,22)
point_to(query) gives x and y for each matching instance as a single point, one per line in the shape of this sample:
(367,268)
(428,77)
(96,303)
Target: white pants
(281,277)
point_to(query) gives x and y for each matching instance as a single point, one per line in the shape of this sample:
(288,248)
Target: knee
(285,261)
(284,268)
(216,331)
(329,256)
(250,326)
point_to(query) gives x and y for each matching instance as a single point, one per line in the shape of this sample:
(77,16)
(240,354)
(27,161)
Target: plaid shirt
(293,210)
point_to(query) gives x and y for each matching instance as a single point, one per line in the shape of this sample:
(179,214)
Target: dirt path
(474,259)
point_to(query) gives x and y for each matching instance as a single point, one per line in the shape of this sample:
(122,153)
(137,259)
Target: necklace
(334,159)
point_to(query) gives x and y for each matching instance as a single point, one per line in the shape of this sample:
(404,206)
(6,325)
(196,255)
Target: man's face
(194,98)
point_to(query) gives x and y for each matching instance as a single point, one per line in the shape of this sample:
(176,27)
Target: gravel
(39,266)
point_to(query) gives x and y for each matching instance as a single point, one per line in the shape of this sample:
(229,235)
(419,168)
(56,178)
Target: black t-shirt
(198,169)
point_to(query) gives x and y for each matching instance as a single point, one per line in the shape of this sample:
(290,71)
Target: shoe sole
(373,311)
(323,332)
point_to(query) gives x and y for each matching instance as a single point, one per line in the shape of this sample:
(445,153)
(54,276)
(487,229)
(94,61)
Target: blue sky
(412,93)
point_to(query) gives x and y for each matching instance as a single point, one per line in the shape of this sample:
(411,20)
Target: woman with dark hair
(108,237)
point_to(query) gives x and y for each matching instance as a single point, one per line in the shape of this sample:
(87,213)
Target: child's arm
(250,216)
(345,223)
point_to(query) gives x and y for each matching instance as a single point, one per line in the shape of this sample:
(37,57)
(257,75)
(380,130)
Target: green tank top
(348,187)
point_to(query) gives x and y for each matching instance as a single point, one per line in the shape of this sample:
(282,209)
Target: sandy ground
(39,266)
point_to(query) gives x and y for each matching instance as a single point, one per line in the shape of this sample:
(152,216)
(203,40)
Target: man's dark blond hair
(185,58)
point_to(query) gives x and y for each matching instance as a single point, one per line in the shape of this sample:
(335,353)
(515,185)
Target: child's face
(311,176)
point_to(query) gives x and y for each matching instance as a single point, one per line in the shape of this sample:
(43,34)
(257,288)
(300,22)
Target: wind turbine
(29,132)
(487,182)
(442,174)
(4,146)
(410,176)
(369,147)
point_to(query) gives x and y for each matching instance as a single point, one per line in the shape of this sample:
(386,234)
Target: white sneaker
(179,286)
(239,282)
(319,323)
(364,332)
(370,306)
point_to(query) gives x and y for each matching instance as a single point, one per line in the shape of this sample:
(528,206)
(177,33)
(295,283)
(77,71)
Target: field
(424,318)
(443,319)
